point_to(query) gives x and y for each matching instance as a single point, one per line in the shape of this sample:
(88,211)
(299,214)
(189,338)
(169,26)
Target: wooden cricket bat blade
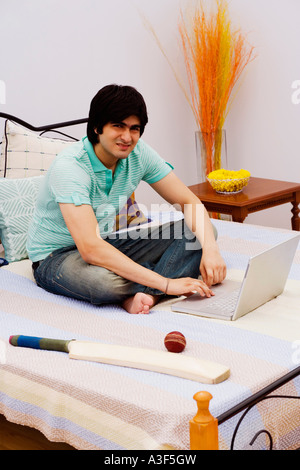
(178,365)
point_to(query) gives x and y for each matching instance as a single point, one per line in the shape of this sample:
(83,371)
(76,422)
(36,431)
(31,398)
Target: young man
(71,240)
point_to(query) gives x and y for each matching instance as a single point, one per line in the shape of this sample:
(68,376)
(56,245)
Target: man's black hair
(114,103)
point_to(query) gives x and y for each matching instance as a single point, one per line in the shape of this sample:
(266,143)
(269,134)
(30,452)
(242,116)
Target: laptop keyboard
(225,304)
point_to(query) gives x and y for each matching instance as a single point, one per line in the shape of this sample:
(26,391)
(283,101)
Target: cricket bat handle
(35,342)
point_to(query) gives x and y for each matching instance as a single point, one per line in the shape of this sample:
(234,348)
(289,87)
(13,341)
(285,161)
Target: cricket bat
(175,364)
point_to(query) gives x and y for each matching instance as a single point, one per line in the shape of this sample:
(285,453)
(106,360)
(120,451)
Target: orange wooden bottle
(203,427)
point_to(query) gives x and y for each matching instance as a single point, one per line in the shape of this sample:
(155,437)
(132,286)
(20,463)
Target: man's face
(117,140)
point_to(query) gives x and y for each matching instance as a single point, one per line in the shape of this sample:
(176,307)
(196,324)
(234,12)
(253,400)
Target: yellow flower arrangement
(228,181)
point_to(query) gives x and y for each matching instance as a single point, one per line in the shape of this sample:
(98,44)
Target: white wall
(263,127)
(56,54)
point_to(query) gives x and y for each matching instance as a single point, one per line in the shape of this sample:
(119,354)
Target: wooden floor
(16,437)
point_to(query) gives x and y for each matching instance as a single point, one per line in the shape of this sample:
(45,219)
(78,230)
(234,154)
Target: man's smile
(123,146)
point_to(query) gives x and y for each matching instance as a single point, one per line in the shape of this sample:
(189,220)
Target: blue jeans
(170,250)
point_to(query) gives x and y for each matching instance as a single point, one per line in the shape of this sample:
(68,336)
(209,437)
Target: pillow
(17,203)
(25,154)
(130,215)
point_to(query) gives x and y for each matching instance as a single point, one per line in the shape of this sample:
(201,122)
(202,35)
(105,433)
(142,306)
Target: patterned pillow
(17,202)
(130,215)
(25,154)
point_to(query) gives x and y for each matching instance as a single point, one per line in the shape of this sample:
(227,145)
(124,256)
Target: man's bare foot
(139,303)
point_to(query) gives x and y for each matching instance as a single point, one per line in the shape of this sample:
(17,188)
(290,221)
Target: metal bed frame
(245,406)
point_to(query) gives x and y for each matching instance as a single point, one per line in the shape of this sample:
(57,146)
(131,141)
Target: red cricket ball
(175,342)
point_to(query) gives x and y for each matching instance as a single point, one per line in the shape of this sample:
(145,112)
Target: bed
(93,406)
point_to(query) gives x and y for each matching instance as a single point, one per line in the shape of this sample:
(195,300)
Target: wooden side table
(260,194)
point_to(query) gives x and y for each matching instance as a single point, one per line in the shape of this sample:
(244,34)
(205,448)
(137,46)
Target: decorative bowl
(228,182)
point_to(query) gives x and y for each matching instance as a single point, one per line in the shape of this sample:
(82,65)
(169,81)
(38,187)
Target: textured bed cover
(96,406)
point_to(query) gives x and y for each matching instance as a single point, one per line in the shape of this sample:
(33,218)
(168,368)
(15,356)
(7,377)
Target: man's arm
(173,190)
(82,224)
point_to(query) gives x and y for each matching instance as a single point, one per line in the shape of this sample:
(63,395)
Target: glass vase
(211,152)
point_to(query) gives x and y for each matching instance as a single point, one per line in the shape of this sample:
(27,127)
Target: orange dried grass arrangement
(215,57)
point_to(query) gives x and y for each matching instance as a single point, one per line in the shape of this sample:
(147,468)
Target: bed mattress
(96,406)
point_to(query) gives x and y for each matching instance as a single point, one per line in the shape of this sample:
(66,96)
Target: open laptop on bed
(264,279)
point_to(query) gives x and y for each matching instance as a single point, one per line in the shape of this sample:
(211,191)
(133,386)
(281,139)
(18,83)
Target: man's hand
(212,267)
(188,286)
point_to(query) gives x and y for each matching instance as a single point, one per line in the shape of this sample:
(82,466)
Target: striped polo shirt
(78,177)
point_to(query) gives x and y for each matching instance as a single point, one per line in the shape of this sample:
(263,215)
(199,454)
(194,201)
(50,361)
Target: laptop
(264,279)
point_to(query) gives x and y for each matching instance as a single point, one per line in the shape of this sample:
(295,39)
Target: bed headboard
(46,128)
(26,150)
